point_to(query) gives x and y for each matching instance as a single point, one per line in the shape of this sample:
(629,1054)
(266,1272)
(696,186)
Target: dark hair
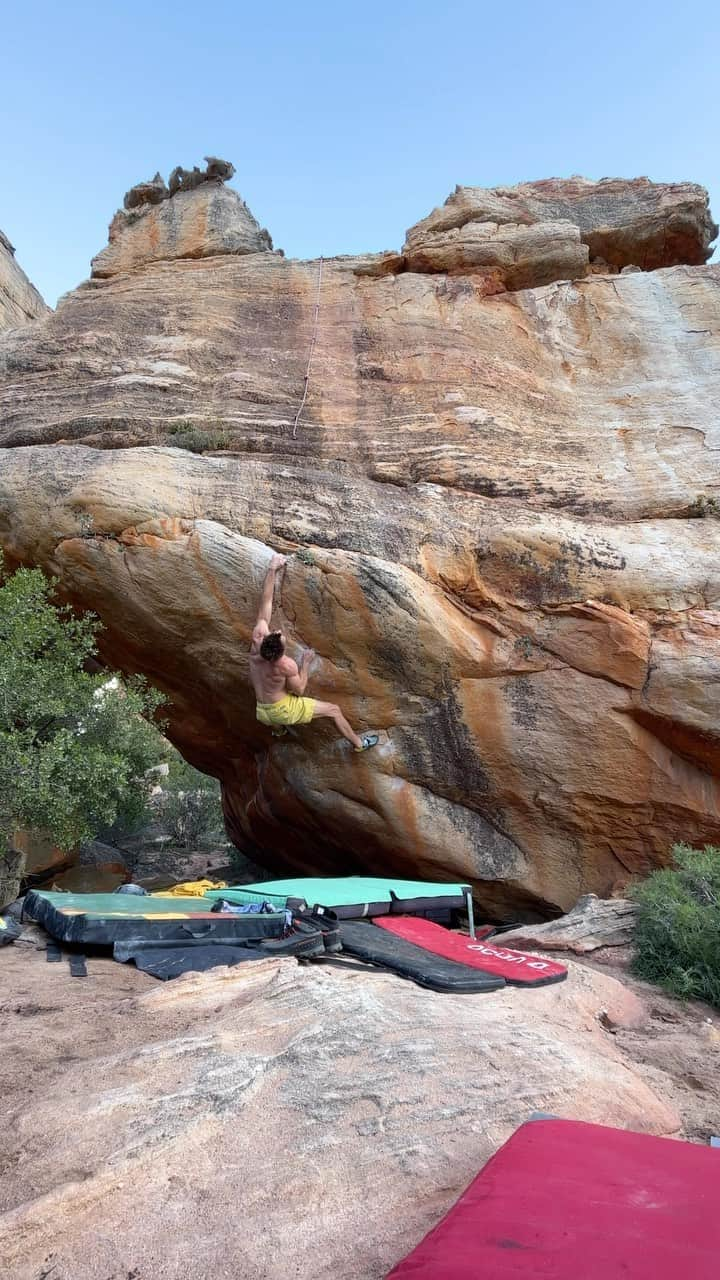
(272,646)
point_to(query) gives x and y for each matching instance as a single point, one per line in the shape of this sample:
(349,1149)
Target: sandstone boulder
(159,1120)
(96,853)
(41,857)
(32,854)
(20,301)
(622,223)
(199,221)
(100,878)
(508,549)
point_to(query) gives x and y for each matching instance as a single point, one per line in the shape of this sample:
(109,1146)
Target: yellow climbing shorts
(291,709)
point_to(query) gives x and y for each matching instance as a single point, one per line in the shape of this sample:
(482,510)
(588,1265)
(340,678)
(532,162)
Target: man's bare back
(269,679)
(279,683)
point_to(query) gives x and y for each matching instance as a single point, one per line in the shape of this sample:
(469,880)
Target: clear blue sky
(346,122)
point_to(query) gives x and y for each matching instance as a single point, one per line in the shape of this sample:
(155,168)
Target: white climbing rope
(312,349)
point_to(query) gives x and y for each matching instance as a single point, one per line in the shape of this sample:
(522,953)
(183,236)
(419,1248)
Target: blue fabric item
(247,909)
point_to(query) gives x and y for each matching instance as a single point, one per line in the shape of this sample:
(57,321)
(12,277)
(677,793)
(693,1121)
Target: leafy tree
(73,743)
(136,809)
(677,938)
(190,805)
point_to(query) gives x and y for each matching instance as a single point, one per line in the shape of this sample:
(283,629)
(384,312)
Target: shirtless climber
(278,682)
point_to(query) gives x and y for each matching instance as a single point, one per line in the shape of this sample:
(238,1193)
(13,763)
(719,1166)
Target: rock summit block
(194,216)
(558,228)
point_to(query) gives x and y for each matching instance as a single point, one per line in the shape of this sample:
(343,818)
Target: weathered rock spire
(193,215)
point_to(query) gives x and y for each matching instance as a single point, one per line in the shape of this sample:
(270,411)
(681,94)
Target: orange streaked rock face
(508,547)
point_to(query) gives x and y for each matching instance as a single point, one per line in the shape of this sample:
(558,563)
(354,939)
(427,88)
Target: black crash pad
(296,944)
(172,962)
(375,946)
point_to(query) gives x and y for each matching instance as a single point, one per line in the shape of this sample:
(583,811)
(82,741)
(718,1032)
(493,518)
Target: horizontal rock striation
(506,512)
(595,398)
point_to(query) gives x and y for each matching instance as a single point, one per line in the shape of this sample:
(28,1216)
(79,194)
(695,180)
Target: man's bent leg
(331,711)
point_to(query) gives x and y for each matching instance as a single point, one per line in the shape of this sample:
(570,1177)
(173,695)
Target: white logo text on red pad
(512,957)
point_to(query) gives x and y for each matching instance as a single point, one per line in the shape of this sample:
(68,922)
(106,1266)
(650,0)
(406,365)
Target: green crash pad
(352,896)
(104,918)
(121,904)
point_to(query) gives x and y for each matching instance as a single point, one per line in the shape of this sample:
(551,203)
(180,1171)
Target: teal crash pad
(352,896)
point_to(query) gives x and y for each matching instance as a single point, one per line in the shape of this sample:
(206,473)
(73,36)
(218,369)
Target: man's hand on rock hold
(278,562)
(307,657)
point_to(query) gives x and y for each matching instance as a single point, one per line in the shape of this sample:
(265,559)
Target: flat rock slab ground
(281,1120)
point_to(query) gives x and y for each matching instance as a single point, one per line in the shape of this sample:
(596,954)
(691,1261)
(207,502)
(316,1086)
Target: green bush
(190,806)
(678,932)
(135,810)
(74,744)
(703,506)
(188,435)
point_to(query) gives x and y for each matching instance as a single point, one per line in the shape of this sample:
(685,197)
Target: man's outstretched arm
(262,624)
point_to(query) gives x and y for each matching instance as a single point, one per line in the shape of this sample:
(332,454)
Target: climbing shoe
(302,941)
(368,740)
(326,923)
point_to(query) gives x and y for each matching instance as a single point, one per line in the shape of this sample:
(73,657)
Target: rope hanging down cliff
(312,349)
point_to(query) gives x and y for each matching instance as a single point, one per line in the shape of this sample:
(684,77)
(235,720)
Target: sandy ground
(677,1047)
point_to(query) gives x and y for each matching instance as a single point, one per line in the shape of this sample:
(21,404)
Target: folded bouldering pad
(190,889)
(376,946)
(174,961)
(352,897)
(517,967)
(100,919)
(573,1201)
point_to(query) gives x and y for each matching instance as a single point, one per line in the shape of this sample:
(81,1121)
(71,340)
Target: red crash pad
(516,967)
(564,1200)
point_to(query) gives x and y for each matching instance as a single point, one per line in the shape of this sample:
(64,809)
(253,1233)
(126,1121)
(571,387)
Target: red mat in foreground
(516,967)
(563,1200)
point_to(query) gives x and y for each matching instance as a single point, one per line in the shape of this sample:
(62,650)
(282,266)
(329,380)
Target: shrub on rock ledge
(187,435)
(678,932)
